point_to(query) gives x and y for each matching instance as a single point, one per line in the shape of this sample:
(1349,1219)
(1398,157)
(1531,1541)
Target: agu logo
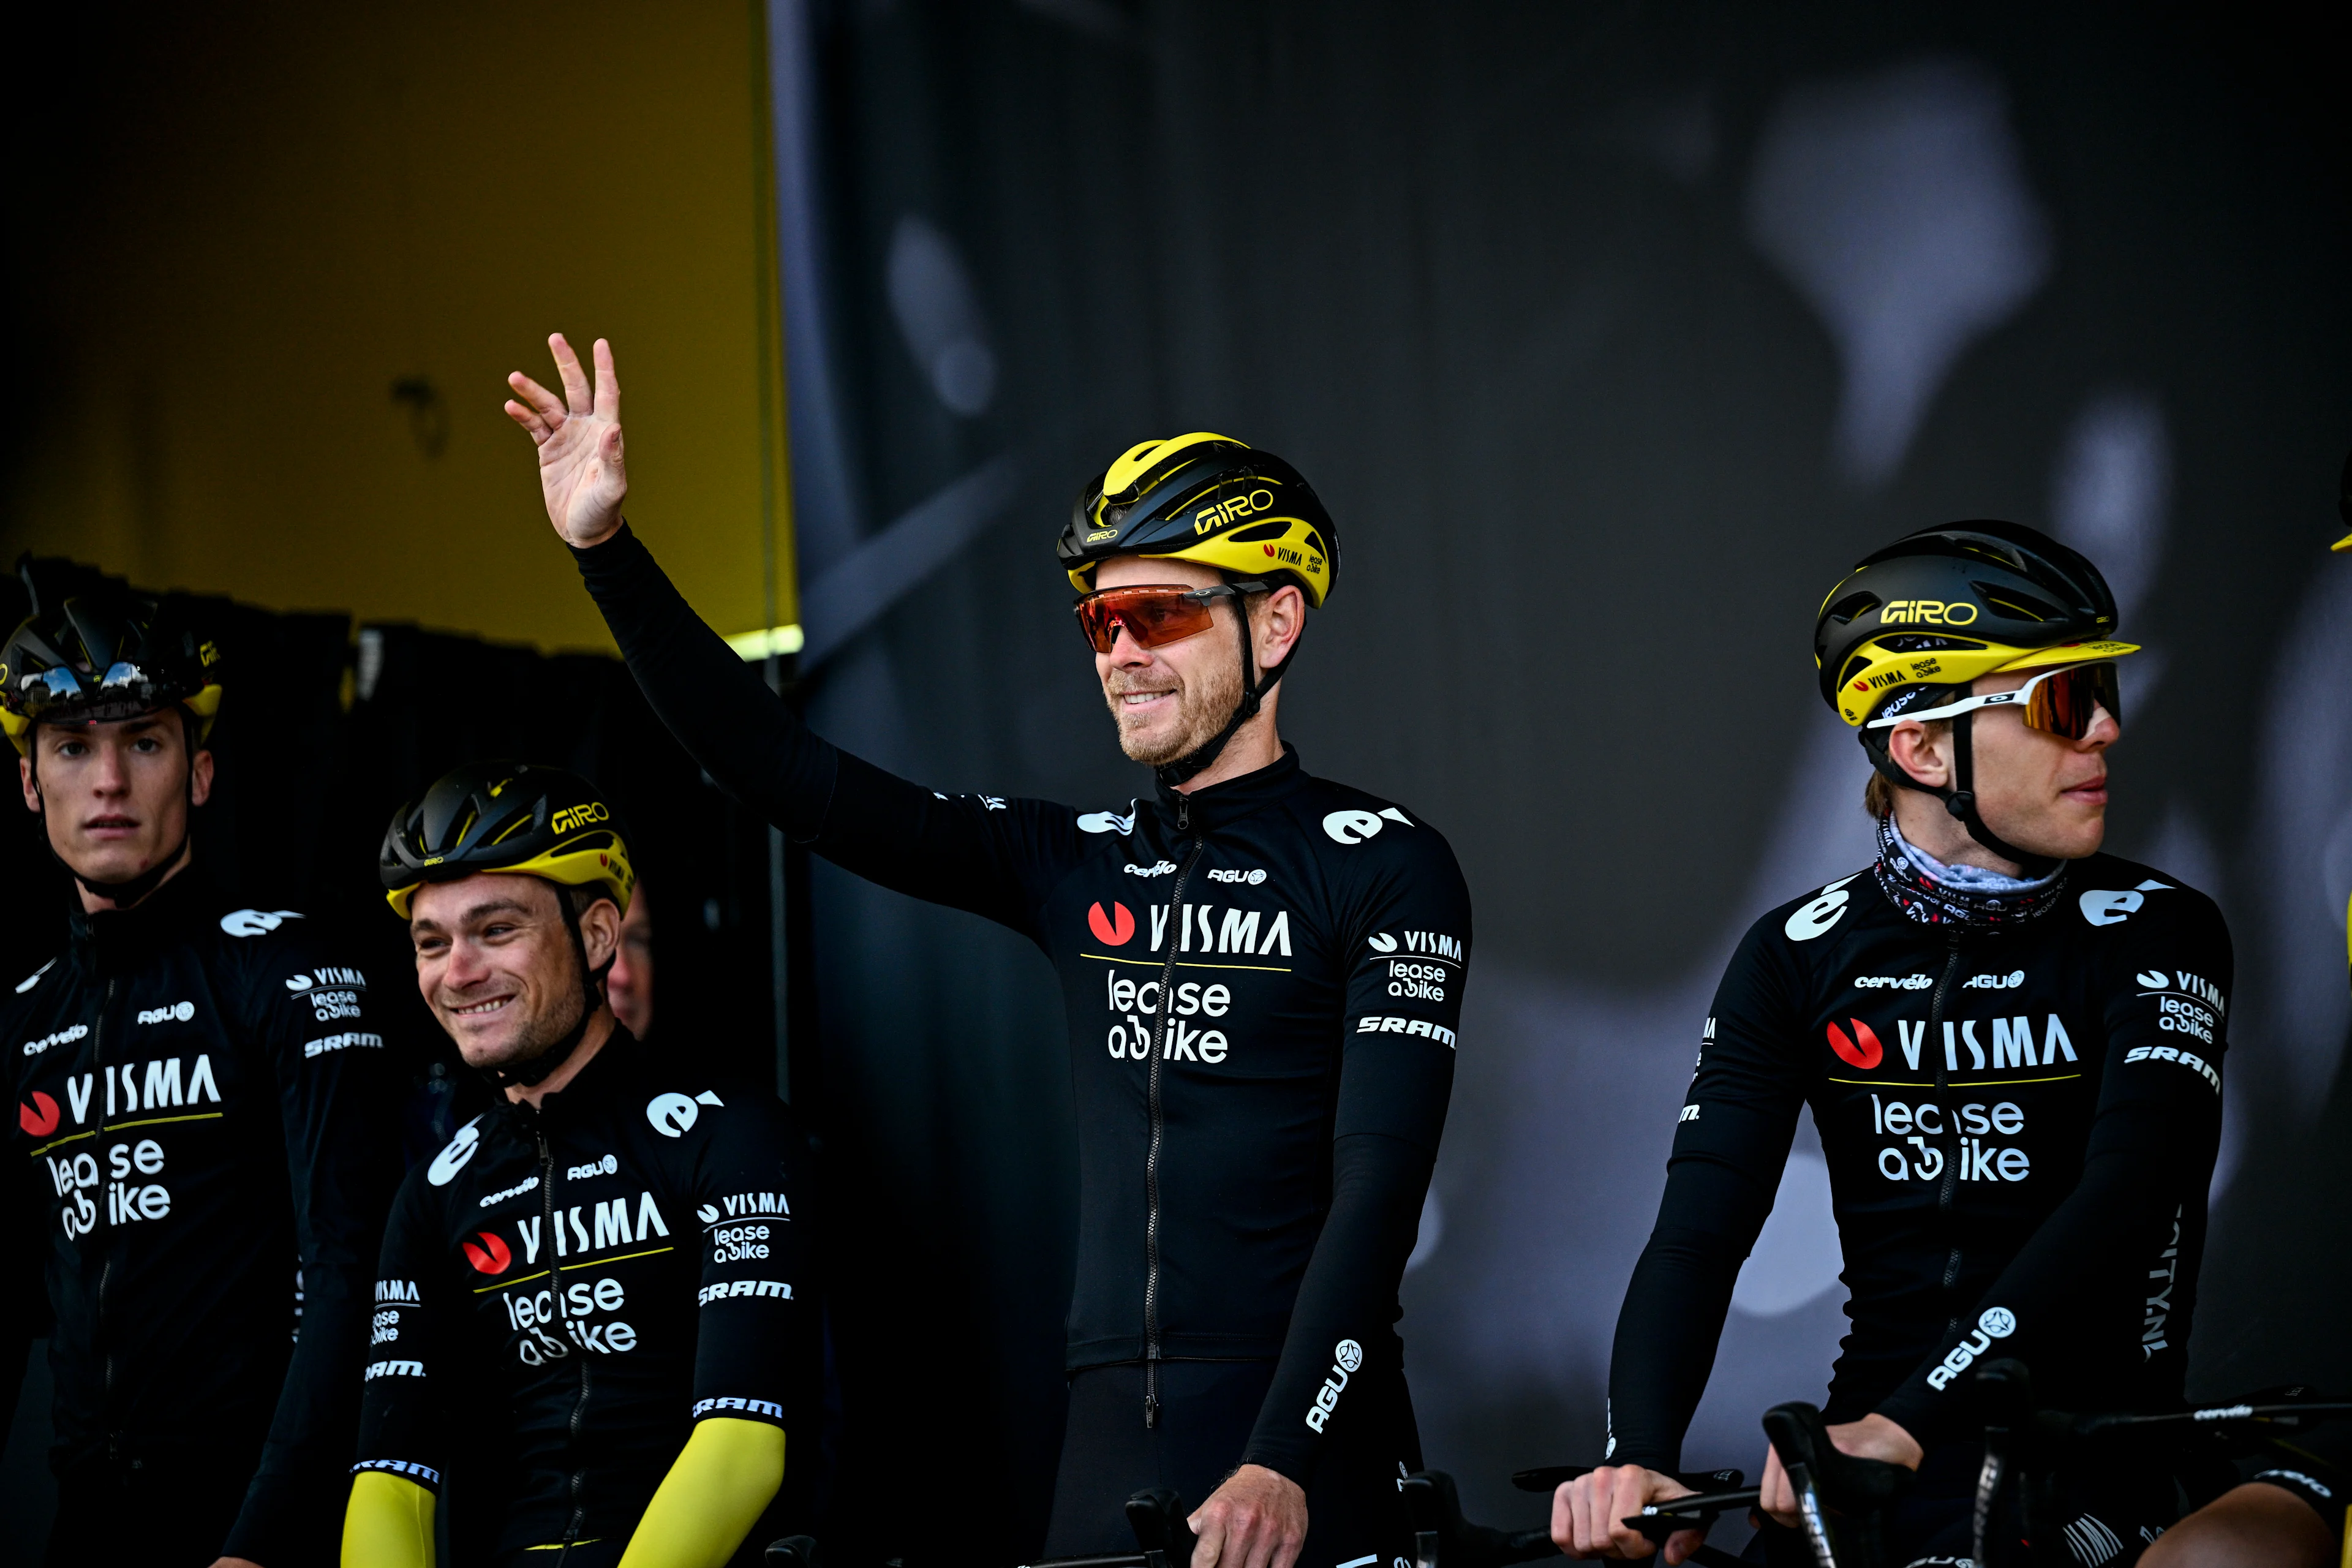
(1859,1049)
(488,1254)
(40,1118)
(1115,929)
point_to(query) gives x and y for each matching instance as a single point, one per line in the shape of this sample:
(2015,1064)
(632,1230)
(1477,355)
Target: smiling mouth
(480,1009)
(1137,699)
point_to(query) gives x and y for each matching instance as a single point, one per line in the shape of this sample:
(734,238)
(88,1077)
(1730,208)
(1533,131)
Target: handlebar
(1157,1517)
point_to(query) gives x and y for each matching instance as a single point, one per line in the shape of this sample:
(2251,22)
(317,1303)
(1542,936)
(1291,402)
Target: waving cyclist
(2011,1044)
(1263,972)
(204,1127)
(595,1306)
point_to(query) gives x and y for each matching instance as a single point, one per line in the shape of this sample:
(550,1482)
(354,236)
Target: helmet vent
(1912,642)
(1853,667)
(1854,604)
(2020,606)
(1258,531)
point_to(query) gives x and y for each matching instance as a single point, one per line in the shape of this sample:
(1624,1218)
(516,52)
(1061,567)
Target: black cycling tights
(1355,1514)
(159,1512)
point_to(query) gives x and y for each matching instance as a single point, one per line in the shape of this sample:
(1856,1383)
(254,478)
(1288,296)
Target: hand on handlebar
(1872,1437)
(1256,1519)
(578,434)
(1587,1513)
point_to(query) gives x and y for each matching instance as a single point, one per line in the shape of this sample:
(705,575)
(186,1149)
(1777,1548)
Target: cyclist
(630,986)
(595,1303)
(1263,973)
(2010,1044)
(2286,1515)
(202,1122)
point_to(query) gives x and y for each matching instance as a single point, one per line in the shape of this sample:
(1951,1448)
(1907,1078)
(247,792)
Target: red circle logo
(40,1118)
(492,1257)
(1861,1050)
(1115,929)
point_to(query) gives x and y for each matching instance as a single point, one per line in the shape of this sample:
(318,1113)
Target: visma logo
(1115,929)
(1859,1049)
(2009,982)
(488,1254)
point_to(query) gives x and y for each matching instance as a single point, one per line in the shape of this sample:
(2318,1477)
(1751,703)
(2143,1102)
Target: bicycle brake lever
(792,1551)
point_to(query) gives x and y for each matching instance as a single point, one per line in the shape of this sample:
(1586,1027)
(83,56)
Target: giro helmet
(1945,604)
(1205,498)
(106,655)
(506,817)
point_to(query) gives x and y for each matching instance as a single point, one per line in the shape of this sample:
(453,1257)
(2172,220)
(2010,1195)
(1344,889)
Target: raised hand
(579,440)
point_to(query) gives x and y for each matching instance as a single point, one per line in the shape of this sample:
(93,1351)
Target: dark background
(1611,335)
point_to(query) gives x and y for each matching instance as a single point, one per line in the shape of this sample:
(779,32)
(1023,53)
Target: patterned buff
(1933,893)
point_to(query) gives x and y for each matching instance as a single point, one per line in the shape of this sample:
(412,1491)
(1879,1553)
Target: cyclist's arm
(1730,1143)
(1396,1074)
(711,1498)
(2145,1168)
(756,1354)
(334,1089)
(388,1519)
(994,858)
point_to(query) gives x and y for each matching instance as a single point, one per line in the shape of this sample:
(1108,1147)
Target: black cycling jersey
(2019,1123)
(565,1291)
(1253,1154)
(204,1109)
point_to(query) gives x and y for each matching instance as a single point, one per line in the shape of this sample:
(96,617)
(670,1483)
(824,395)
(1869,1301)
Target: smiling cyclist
(2011,1044)
(593,1317)
(1262,970)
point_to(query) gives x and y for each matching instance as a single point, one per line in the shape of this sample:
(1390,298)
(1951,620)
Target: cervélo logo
(1115,929)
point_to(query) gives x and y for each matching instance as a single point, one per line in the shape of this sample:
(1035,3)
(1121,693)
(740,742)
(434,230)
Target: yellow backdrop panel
(285,305)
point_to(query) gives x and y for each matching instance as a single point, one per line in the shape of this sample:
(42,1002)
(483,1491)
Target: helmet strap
(592,997)
(1961,798)
(1184,769)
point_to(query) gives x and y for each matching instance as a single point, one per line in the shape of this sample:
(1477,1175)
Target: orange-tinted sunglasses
(1154,614)
(2061,702)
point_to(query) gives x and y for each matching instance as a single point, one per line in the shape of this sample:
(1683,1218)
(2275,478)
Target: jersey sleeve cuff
(739,1408)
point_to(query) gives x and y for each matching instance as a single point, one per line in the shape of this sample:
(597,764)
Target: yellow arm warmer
(388,1524)
(711,1498)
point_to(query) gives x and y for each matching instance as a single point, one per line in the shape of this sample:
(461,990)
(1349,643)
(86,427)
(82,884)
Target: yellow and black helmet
(1945,604)
(103,654)
(1205,498)
(506,817)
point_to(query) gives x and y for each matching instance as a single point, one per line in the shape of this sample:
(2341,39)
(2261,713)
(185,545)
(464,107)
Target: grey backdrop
(1612,335)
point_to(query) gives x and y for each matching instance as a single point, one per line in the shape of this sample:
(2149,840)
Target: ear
(599,933)
(1924,757)
(1275,628)
(32,785)
(199,777)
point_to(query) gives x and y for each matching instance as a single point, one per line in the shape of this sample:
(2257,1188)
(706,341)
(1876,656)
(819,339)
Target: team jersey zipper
(1151,1157)
(555,1276)
(105,1258)
(1947,1190)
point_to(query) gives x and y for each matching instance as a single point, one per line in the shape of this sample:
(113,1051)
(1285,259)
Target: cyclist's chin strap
(1960,799)
(592,997)
(1184,769)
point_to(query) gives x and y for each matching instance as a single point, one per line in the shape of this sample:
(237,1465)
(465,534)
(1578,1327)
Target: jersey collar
(116,941)
(1221,804)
